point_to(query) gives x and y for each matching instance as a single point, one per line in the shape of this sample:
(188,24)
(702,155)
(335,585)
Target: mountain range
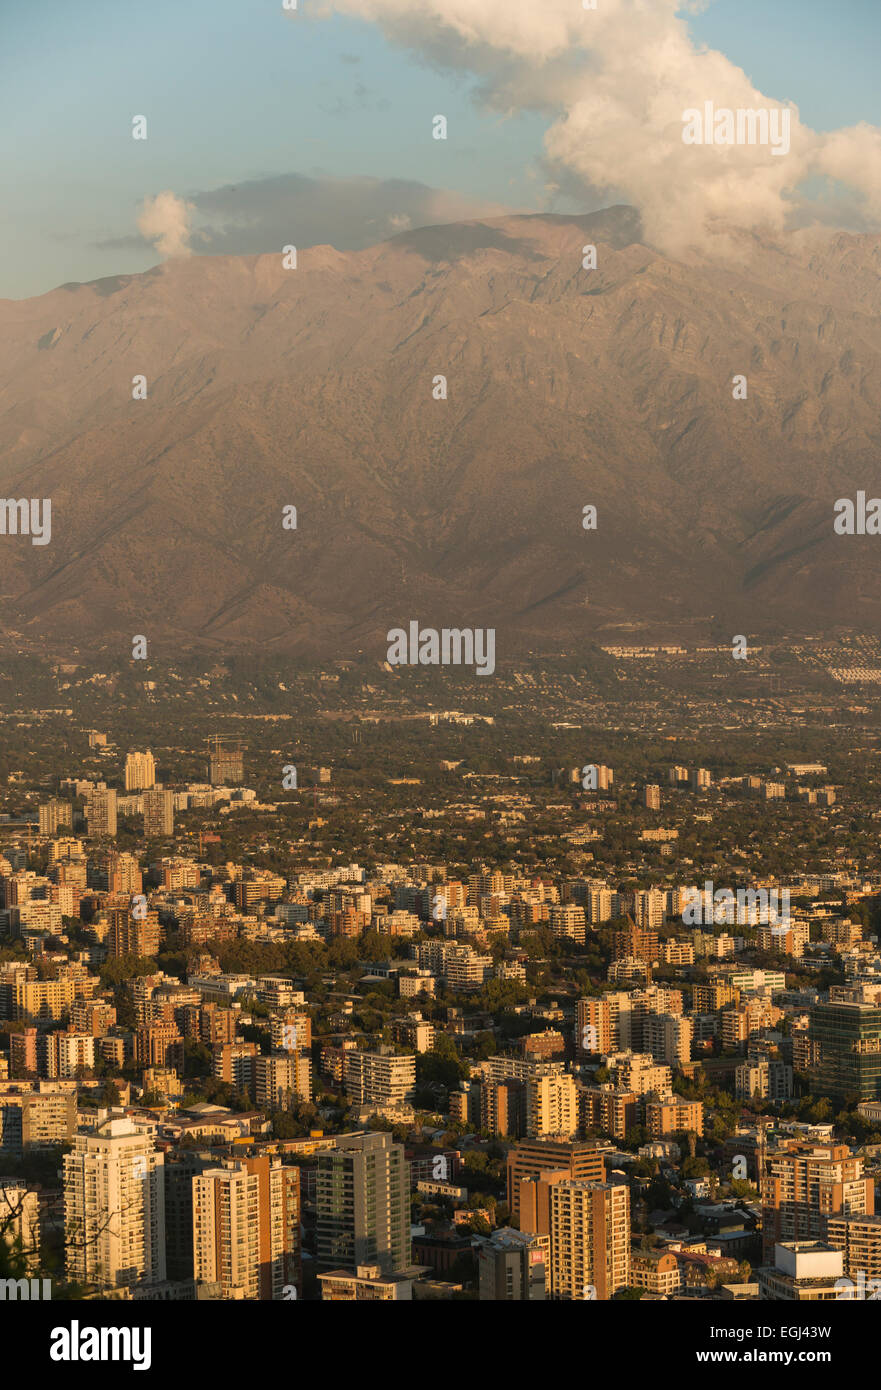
(317,388)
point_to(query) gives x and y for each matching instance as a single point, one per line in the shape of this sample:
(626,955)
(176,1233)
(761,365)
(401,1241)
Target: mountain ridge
(313,387)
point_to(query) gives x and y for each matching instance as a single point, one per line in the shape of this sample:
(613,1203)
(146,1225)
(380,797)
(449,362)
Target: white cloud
(616,81)
(165,220)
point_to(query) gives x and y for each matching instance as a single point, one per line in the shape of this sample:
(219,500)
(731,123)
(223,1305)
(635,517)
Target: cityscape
(359,997)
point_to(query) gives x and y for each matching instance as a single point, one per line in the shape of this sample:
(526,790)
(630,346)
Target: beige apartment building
(246,1228)
(381,1078)
(609,1017)
(582,1160)
(668,1037)
(36,1116)
(609,1110)
(101,810)
(38,1001)
(590,1240)
(158,813)
(639,1072)
(20,1220)
(52,814)
(140,771)
(674,1115)
(283,1080)
(226,1206)
(859,1240)
(804,1185)
(656,1271)
(551,1106)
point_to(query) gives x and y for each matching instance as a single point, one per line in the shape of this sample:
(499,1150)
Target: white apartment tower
(114,1207)
(140,771)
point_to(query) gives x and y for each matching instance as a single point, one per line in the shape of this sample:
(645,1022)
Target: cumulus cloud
(166,222)
(616,81)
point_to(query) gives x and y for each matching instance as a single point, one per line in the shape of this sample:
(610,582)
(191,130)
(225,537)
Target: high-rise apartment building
(803,1185)
(257,886)
(581,1160)
(236,1062)
(380,1078)
(225,763)
(551,1106)
(283,1079)
(101,810)
(603,1024)
(649,906)
(639,1072)
(668,1037)
(673,1115)
(158,813)
(20,1224)
(710,997)
(159,1045)
(41,1001)
(131,935)
(590,1239)
(635,943)
(847,1037)
(114,1207)
(767,1078)
(23,1053)
(246,1228)
(181,1166)
(124,874)
(363,1204)
(568,920)
(35,1117)
(609,1110)
(503,1107)
(598,905)
(226,1205)
(140,771)
(593,1027)
(651,797)
(859,1240)
(54,814)
(68,1054)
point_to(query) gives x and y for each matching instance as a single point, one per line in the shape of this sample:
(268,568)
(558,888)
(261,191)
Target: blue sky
(236,91)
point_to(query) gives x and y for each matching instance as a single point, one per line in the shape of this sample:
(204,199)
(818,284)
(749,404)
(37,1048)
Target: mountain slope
(313,387)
